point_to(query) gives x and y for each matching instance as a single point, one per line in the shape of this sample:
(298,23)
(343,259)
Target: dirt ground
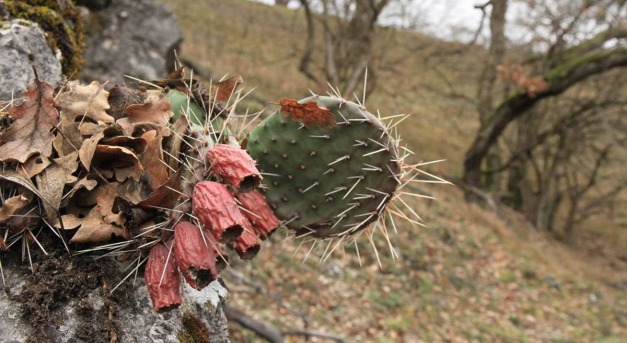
(59,279)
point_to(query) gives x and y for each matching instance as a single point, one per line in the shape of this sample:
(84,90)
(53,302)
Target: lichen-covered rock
(22,46)
(66,299)
(130,37)
(62,24)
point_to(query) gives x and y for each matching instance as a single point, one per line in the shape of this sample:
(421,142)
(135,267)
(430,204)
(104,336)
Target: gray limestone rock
(130,37)
(22,46)
(67,299)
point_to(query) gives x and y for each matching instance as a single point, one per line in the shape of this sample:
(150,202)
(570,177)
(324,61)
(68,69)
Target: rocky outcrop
(23,47)
(130,37)
(70,299)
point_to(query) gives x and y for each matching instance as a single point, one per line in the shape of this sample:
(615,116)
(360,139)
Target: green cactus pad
(182,103)
(326,180)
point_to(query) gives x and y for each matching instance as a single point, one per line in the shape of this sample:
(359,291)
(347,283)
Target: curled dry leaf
(223,90)
(122,161)
(98,223)
(152,160)
(69,164)
(83,184)
(12,206)
(33,166)
(173,145)
(50,183)
(90,101)
(93,228)
(30,133)
(137,144)
(156,112)
(88,148)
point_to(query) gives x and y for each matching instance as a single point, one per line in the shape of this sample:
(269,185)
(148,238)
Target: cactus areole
(326,178)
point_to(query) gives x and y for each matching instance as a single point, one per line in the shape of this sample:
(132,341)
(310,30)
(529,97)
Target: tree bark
(560,79)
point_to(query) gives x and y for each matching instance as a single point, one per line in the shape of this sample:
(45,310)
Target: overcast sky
(447,19)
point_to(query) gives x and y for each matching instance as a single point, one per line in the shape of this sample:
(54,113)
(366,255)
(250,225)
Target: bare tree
(555,100)
(349,28)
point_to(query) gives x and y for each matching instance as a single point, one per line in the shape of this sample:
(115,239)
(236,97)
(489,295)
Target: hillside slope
(472,275)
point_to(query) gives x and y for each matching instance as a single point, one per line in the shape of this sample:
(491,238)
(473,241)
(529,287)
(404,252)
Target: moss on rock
(63,25)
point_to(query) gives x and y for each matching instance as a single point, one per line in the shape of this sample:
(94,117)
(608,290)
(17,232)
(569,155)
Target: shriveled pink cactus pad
(162,279)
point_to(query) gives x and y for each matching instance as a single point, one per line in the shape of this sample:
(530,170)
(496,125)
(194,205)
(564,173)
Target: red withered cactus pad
(234,166)
(215,208)
(258,212)
(196,256)
(162,279)
(247,245)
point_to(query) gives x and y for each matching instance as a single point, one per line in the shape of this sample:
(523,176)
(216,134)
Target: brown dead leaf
(98,223)
(88,149)
(133,191)
(30,133)
(69,164)
(165,195)
(34,166)
(69,138)
(152,160)
(173,145)
(12,205)
(155,111)
(137,144)
(223,90)
(105,198)
(90,101)
(85,183)
(50,184)
(309,114)
(120,97)
(122,160)
(92,228)
(18,179)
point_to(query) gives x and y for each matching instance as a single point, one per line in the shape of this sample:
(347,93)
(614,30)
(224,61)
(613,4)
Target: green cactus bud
(326,176)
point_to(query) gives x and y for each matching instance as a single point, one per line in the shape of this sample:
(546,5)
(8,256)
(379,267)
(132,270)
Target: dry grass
(471,276)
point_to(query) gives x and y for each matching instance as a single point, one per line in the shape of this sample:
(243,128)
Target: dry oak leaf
(92,228)
(86,183)
(12,205)
(33,166)
(223,90)
(101,223)
(166,195)
(69,164)
(155,169)
(50,183)
(309,114)
(174,144)
(30,133)
(123,161)
(88,148)
(155,111)
(90,101)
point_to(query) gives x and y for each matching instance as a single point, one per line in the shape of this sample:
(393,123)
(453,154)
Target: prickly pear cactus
(329,172)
